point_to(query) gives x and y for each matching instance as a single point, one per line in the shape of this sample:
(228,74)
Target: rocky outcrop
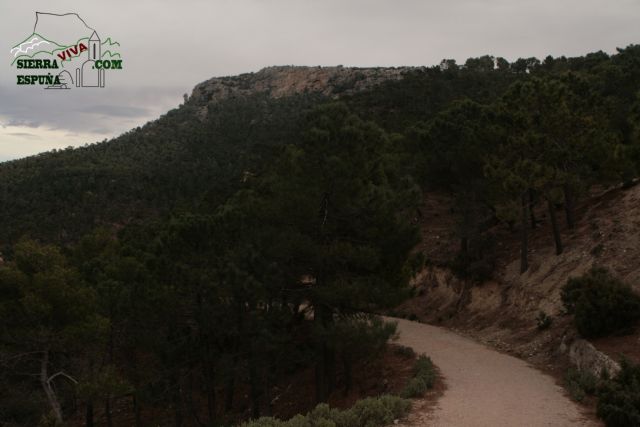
(584,356)
(284,81)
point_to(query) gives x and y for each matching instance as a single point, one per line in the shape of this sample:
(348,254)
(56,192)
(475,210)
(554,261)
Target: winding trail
(487,388)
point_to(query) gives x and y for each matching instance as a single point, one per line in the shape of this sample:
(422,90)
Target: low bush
(362,337)
(425,370)
(404,351)
(424,377)
(369,412)
(601,304)
(580,384)
(619,398)
(543,321)
(416,387)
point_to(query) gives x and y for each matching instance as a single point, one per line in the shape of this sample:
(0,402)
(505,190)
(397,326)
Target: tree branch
(63,374)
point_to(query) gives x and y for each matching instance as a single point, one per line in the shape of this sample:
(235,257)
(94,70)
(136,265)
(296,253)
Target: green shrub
(601,304)
(378,412)
(619,398)
(416,387)
(362,337)
(425,370)
(543,321)
(424,377)
(405,351)
(369,412)
(576,392)
(580,384)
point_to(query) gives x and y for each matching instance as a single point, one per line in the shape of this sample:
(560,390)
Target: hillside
(503,311)
(193,269)
(194,155)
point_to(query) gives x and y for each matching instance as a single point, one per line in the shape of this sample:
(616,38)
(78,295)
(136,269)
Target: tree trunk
(230,389)
(321,378)
(465,227)
(532,199)
(137,410)
(464,245)
(524,263)
(254,385)
(268,398)
(211,393)
(107,404)
(194,413)
(331,369)
(107,412)
(554,227)
(48,390)
(177,401)
(325,357)
(347,374)
(568,206)
(137,406)
(89,415)
(321,369)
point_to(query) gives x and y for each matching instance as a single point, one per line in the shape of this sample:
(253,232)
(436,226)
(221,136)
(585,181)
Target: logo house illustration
(64,52)
(90,75)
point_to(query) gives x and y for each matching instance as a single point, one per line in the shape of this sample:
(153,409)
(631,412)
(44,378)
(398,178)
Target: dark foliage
(194,259)
(601,304)
(619,398)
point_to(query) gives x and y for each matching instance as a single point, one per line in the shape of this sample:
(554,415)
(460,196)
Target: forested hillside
(244,235)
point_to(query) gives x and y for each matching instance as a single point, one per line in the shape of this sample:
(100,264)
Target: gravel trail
(487,388)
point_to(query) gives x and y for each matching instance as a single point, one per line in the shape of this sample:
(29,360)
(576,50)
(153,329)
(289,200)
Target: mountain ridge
(287,80)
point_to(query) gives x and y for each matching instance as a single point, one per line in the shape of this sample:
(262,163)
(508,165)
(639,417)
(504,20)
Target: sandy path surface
(487,388)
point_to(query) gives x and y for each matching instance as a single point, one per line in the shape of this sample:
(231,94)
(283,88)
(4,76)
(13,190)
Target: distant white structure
(88,75)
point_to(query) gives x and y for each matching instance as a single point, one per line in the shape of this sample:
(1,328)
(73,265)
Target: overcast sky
(168,46)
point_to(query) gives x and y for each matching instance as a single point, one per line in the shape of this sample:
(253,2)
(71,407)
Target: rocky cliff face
(291,80)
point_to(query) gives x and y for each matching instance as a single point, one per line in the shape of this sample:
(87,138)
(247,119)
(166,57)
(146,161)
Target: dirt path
(487,388)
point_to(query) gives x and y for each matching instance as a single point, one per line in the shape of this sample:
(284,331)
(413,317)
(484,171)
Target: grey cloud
(101,131)
(20,122)
(75,110)
(116,111)
(181,43)
(24,135)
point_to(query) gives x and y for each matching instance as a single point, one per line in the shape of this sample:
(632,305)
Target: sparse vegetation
(543,321)
(423,379)
(619,398)
(405,351)
(370,412)
(580,384)
(600,303)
